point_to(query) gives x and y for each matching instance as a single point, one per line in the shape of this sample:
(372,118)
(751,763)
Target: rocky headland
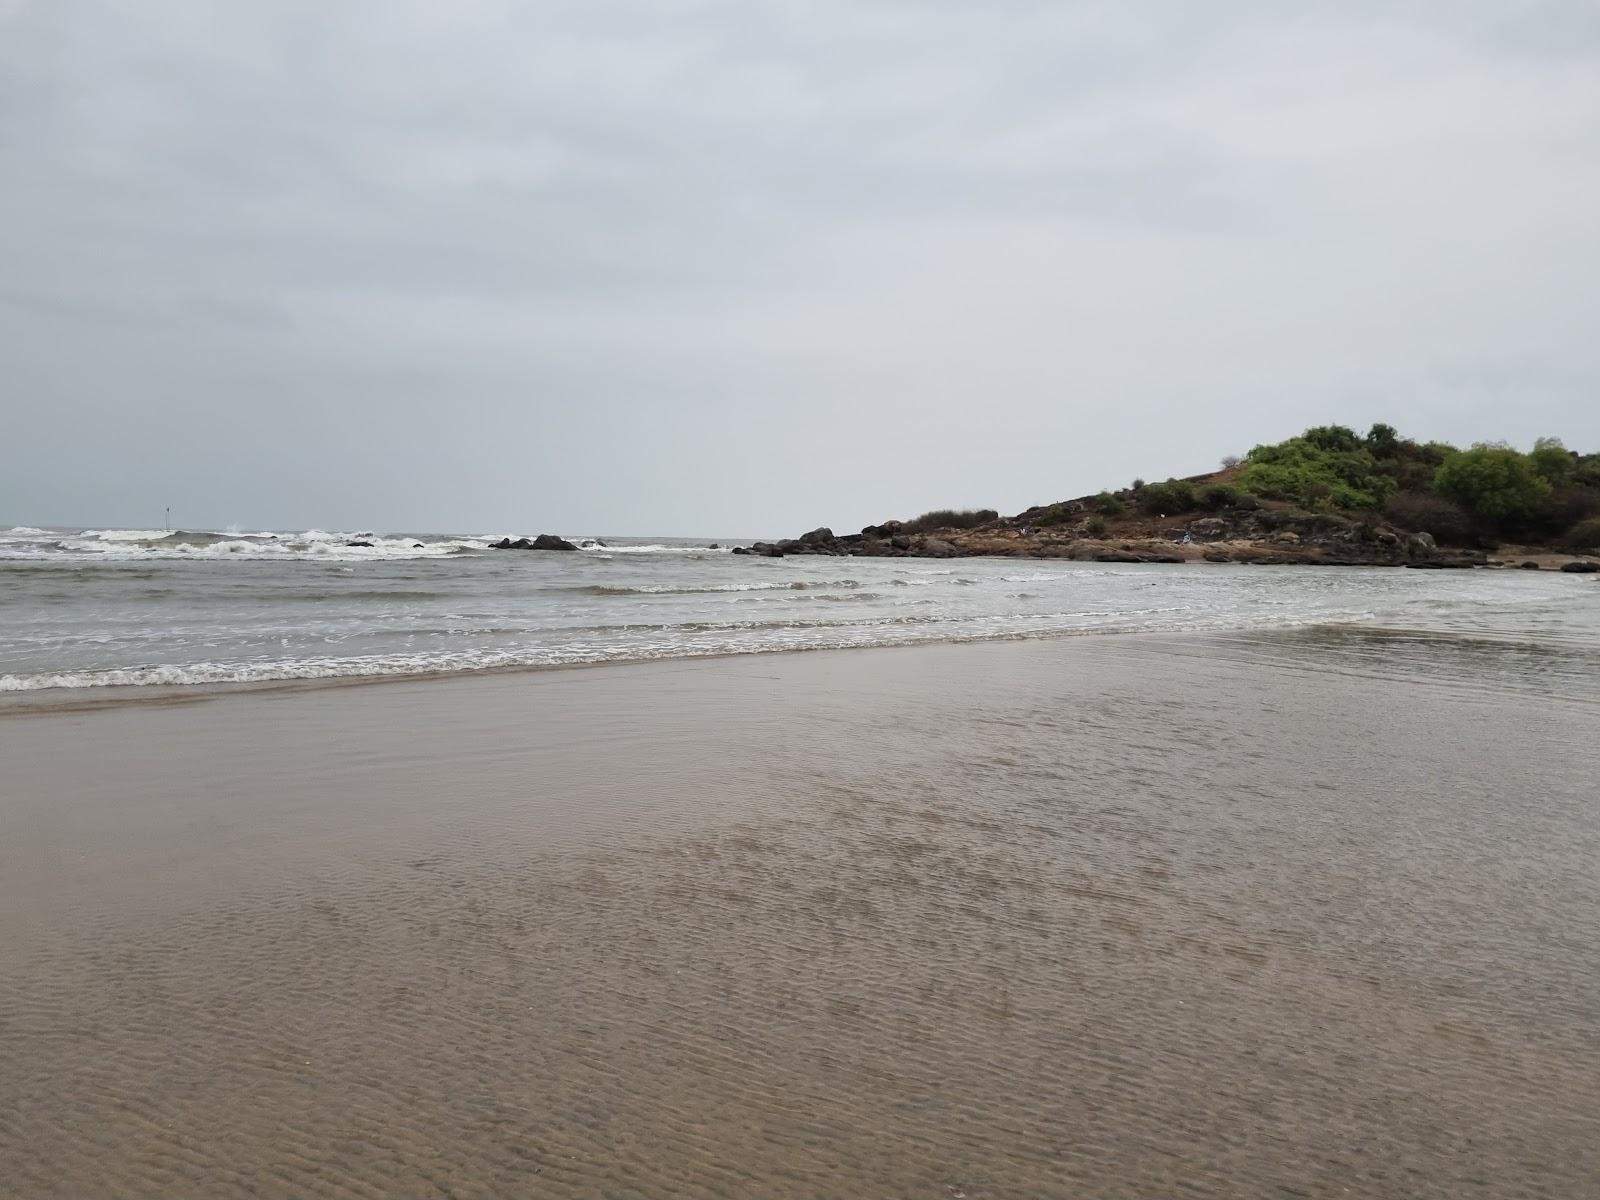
(1327,498)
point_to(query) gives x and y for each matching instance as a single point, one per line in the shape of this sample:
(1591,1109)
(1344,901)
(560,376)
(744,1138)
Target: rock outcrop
(545,541)
(1253,536)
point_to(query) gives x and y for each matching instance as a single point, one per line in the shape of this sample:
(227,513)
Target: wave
(126,545)
(710,589)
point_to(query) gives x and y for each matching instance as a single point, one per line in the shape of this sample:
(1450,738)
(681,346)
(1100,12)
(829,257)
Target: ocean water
(130,608)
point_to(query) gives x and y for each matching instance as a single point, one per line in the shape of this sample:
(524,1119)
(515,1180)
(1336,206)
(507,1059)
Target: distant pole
(169,517)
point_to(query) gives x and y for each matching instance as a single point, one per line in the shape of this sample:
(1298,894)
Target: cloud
(897,254)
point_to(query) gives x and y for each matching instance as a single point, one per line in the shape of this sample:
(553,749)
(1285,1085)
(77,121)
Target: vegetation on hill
(1486,493)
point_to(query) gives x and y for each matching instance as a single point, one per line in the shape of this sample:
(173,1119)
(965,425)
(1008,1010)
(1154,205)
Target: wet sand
(1280,915)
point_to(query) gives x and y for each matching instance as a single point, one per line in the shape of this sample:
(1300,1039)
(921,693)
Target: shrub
(1420,512)
(1095,526)
(1493,482)
(1585,535)
(1217,496)
(1230,461)
(1138,486)
(1328,467)
(1568,506)
(1333,439)
(1586,471)
(1108,504)
(1173,496)
(950,518)
(1245,502)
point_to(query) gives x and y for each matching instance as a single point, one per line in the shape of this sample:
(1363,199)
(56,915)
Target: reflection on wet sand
(1145,917)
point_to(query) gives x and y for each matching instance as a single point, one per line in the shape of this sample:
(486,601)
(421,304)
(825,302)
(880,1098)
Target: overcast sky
(744,268)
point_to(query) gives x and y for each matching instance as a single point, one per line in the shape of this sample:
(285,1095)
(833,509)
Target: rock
(765,550)
(714,546)
(938,548)
(1579,566)
(549,541)
(1286,537)
(820,536)
(1208,529)
(1423,541)
(900,541)
(1216,556)
(1387,538)
(1116,556)
(743,550)
(1529,565)
(368,545)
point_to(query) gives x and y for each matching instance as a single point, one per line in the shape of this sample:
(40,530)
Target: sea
(132,608)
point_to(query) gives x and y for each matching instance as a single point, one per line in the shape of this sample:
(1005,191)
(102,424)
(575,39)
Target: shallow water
(1308,912)
(124,609)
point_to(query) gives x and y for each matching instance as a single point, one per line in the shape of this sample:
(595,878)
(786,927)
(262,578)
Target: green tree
(1551,461)
(1492,481)
(1383,440)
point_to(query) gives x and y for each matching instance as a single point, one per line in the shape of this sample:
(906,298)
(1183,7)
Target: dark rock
(1529,565)
(937,548)
(1579,566)
(743,550)
(368,545)
(714,546)
(1216,556)
(900,541)
(820,536)
(765,550)
(1208,529)
(549,541)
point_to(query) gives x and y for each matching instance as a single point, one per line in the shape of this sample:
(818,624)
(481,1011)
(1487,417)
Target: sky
(717,267)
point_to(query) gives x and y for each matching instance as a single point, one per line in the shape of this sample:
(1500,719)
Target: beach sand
(1274,915)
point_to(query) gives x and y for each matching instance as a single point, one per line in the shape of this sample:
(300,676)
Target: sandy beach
(1293,914)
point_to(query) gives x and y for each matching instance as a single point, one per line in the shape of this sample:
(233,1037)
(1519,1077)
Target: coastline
(1095,916)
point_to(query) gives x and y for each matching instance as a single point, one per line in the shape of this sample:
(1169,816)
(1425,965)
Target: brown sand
(1299,915)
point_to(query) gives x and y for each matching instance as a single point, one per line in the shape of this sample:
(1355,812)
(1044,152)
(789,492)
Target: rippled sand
(1269,916)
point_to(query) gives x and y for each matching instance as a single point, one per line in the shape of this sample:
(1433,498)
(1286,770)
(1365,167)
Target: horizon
(237,526)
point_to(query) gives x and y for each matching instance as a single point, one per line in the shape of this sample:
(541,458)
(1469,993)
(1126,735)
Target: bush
(1217,497)
(1108,504)
(1173,496)
(1420,512)
(1323,469)
(1568,506)
(1095,526)
(1493,482)
(1585,535)
(950,518)
(1230,461)
(1245,502)
(1333,439)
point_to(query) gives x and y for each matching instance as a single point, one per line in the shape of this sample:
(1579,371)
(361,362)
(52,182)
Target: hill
(1329,496)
